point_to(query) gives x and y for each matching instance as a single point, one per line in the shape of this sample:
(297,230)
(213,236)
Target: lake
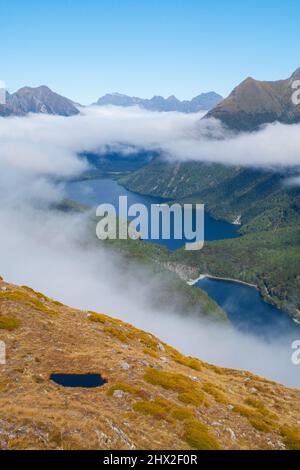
(248,312)
(95,192)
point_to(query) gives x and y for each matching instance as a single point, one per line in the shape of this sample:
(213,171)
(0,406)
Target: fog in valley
(45,249)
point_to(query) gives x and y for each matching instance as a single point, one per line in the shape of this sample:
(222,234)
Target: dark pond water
(78,380)
(95,192)
(248,312)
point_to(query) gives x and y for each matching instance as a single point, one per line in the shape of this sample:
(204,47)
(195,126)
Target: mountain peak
(254,103)
(296,74)
(28,89)
(39,99)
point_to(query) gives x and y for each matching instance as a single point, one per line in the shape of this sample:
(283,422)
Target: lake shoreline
(192,282)
(265,296)
(246,308)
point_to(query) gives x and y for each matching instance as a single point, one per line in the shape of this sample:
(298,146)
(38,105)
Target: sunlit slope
(254,103)
(154,398)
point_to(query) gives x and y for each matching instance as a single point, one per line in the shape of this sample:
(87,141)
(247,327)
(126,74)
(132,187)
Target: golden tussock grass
(195,433)
(261,425)
(193,397)
(28,300)
(169,380)
(153,408)
(9,323)
(260,407)
(116,333)
(198,437)
(258,416)
(190,362)
(97,318)
(216,392)
(151,353)
(188,391)
(125,388)
(291,437)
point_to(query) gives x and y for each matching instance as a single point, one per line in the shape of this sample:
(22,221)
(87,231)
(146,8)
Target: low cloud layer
(44,248)
(179,136)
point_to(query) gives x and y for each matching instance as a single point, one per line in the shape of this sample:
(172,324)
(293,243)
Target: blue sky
(84,49)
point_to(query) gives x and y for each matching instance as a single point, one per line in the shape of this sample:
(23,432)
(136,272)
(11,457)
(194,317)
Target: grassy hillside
(154,398)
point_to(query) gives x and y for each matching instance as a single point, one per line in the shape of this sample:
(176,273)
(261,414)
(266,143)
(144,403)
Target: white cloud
(274,146)
(180,136)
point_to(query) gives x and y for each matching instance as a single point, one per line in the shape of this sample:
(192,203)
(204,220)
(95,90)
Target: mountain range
(251,104)
(202,102)
(43,100)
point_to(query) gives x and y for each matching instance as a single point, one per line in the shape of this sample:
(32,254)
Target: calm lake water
(247,310)
(95,192)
